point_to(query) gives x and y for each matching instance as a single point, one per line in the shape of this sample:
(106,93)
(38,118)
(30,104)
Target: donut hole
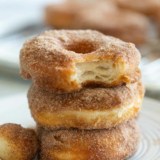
(82,47)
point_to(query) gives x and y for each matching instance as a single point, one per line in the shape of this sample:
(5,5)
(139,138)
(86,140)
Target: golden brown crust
(17,143)
(114,144)
(90,108)
(50,59)
(103,16)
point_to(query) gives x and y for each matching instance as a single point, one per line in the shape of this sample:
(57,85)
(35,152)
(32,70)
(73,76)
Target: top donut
(65,60)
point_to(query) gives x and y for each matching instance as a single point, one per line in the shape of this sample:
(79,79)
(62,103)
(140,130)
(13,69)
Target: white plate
(14,109)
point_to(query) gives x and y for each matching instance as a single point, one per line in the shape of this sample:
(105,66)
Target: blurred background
(133,21)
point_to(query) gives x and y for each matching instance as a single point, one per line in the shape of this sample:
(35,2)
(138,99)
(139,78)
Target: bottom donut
(117,143)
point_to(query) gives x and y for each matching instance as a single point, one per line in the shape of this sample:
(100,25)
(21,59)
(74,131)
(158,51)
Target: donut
(17,143)
(66,61)
(103,16)
(113,144)
(91,108)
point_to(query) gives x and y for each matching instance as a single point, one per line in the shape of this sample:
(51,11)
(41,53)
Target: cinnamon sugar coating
(117,143)
(89,108)
(17,143)
(54,60)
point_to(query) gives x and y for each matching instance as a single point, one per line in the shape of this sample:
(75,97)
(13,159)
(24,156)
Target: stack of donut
(85,95)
